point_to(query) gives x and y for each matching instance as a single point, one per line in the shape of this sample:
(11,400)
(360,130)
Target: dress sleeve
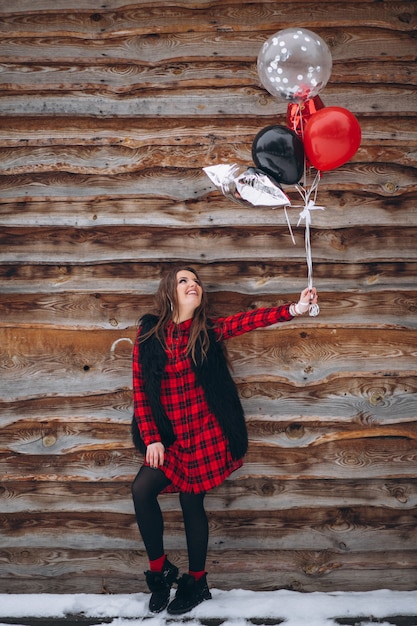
(141,407)
(240,323)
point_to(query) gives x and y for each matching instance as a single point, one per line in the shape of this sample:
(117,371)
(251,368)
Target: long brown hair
(166,305)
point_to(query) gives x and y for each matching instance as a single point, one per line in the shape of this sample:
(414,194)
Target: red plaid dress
(200,458)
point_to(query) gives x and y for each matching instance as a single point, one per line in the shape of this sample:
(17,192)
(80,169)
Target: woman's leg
(192,587)
(196,529)
(146,487)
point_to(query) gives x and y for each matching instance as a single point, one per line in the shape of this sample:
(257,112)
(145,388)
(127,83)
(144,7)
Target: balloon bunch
(294,64)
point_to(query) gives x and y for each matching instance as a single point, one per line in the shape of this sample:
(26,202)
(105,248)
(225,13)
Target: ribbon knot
(305,213)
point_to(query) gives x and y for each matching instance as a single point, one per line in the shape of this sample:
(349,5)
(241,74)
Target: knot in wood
(267,489)
(295,431)
(101,459)
(311,569)
(263,101)
(351,459)
(48,441)
(25,556)
(400,495)
(391,187)
(344,520)
(405,17)
(377,397)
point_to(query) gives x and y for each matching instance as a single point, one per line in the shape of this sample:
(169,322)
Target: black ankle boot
(160,584)
(190,592)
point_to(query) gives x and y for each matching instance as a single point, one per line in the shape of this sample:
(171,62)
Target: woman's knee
(148,483)
(192,501)
(135,487)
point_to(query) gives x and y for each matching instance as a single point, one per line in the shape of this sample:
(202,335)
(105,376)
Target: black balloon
(279,152)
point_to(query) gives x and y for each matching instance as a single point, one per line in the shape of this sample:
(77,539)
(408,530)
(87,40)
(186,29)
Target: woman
(188,422)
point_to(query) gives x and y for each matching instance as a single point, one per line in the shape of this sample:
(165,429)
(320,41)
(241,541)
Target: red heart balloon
(331,137)
(298,114)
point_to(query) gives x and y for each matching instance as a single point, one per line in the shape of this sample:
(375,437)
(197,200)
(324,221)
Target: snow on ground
(235,608)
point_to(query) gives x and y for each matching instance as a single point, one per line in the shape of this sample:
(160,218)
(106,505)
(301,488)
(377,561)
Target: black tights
(146,487)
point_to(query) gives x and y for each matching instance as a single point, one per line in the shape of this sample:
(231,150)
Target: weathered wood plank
(83,369)
(134,20)
(346,529)
(90,362)
(317,354)
(348,45)
(124,160)
(123,79)
(270,494)
(342,209)
(370,400)
(393,131)
(208,103)
(103,310)
(183,184)
(389,457)
(265,277)
(397,579)
(114,407)
(55,437)
(354,459)
(51,571)
(244,494)
(124,243)
(43,5)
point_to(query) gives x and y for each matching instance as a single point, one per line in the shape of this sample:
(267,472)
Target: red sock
(158,564)
(197,575)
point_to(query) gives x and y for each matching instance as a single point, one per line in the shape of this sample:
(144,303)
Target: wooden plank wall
(109,111)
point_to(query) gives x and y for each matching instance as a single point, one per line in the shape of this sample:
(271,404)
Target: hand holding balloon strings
(308,299)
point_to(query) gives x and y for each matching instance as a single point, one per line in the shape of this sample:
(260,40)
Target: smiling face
(189,293)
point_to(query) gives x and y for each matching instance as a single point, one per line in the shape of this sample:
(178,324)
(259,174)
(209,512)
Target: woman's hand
(155,454)
(307,297)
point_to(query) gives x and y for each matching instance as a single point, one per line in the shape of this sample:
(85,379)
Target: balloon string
(308,256)
(289,225)
(309,205)
(309,197)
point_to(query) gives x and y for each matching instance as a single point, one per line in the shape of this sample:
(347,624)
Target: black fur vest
(212,374)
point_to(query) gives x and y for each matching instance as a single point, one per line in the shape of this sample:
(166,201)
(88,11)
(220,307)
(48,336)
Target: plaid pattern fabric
(200,458)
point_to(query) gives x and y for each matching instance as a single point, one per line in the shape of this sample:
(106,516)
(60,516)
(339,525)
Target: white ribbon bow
(305,213)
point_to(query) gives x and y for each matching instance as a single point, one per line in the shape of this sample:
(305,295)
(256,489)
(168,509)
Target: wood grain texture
(107,117)
(108,310)
(393,100)
(100,361)
(242,494)
(272,277)
(156,19)
(124,243)
(344,208)
(302,570)
(344,530)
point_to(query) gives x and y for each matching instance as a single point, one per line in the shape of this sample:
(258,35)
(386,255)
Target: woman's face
(189,292)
